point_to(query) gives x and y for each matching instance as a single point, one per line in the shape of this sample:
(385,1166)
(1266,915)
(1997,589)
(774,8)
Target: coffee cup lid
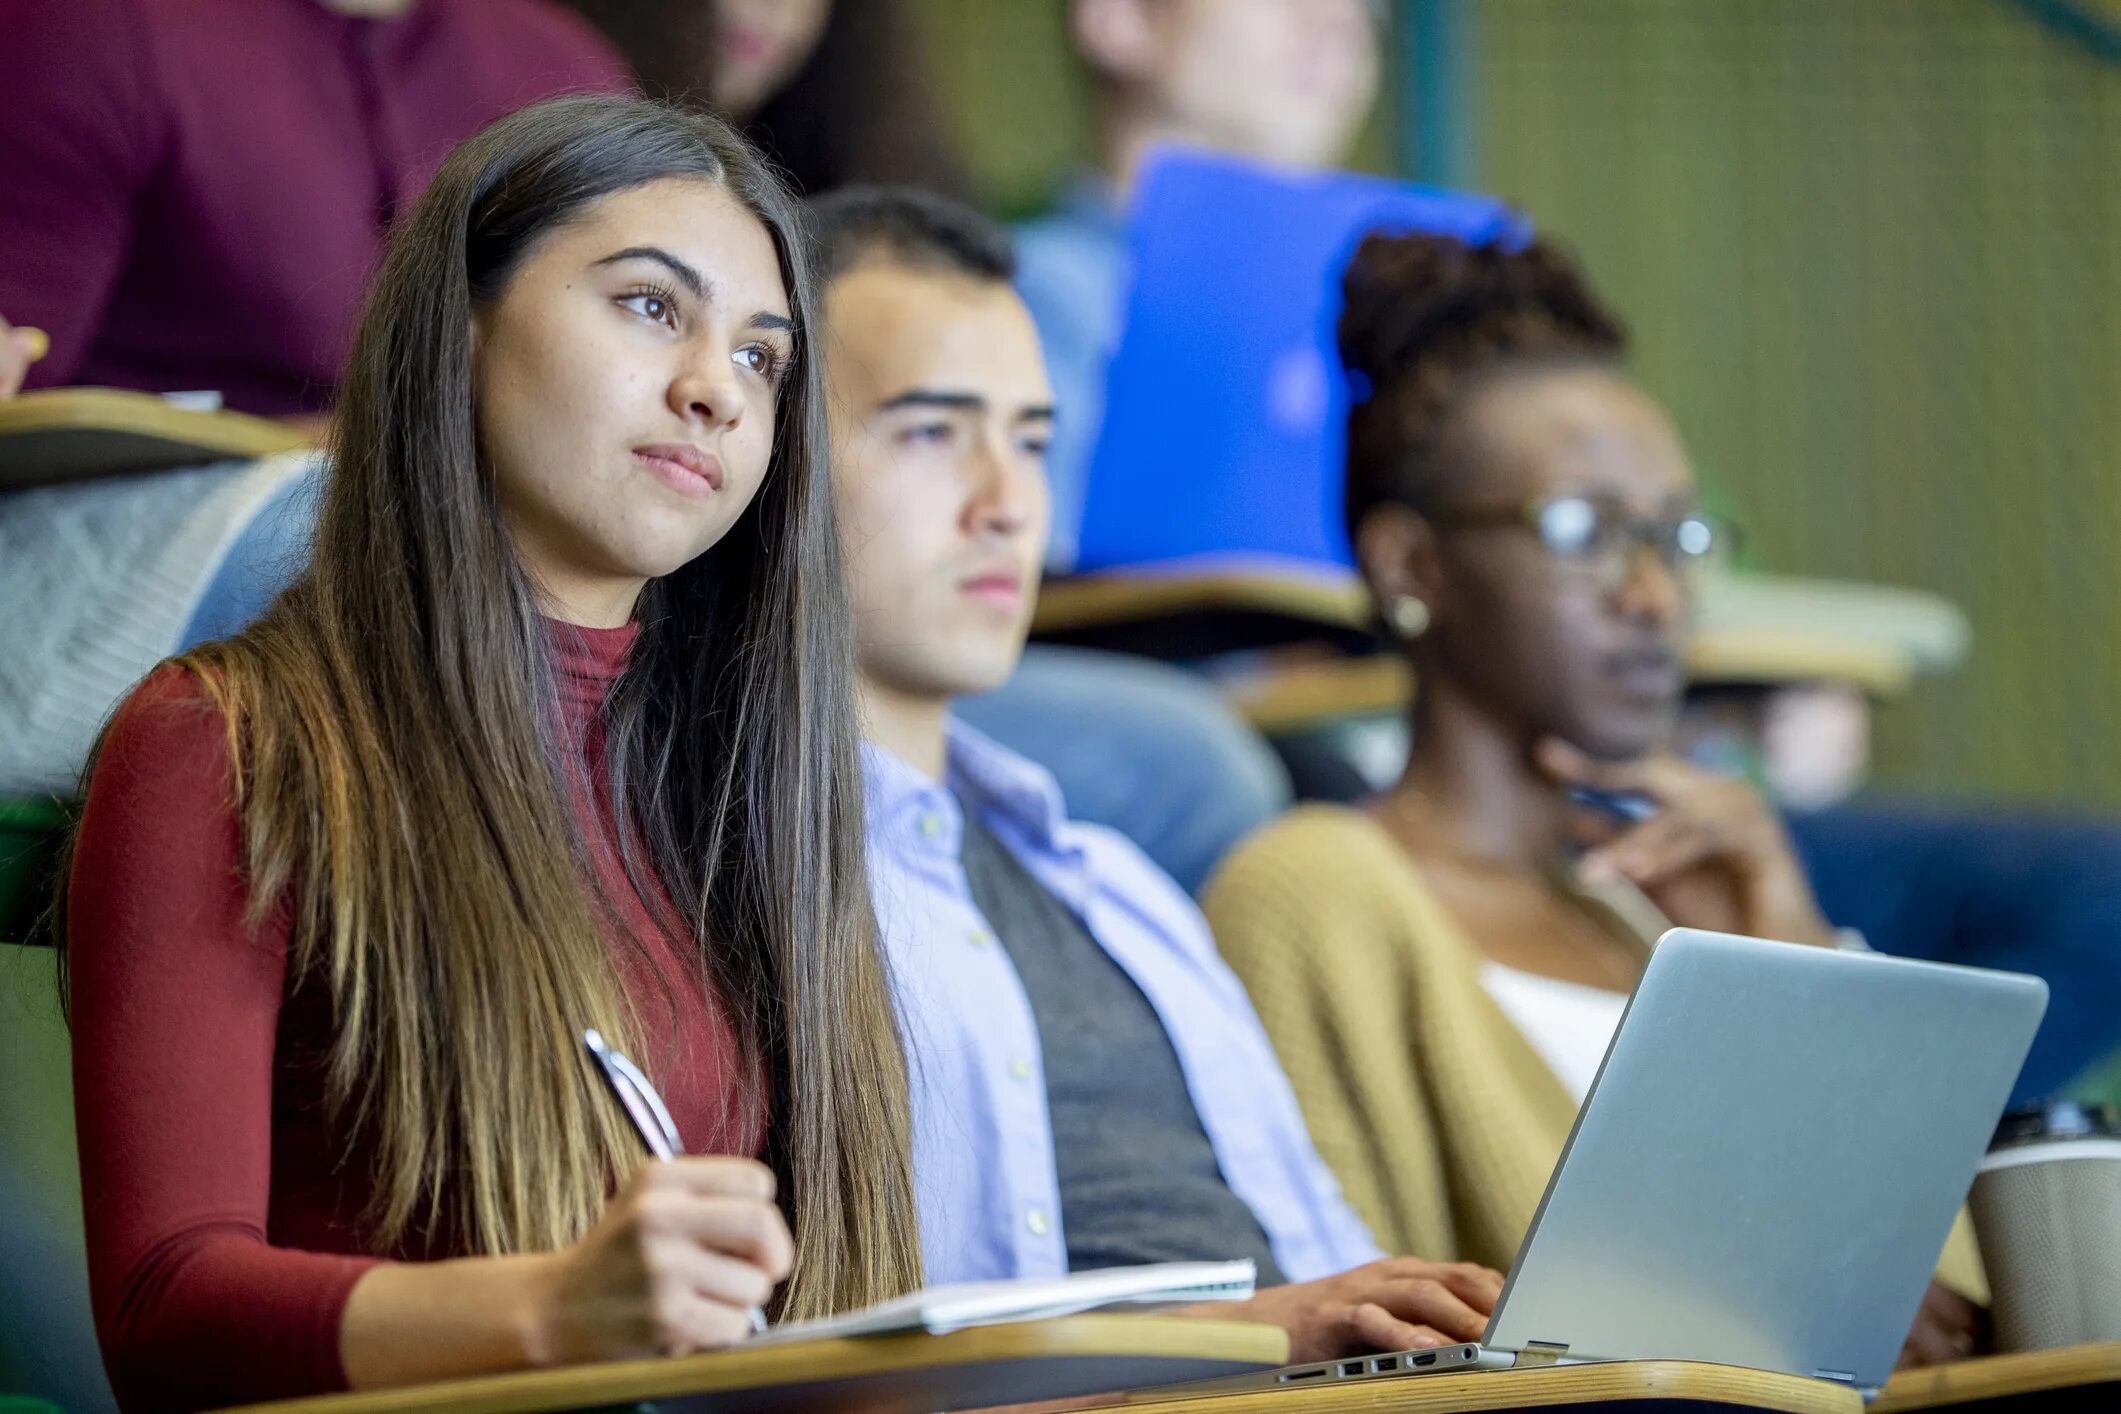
(2056,1119)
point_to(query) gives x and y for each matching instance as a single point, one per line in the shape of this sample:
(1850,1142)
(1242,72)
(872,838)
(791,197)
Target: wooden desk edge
(220,433)
(1098,600)
(2000,1376)
(1479,1390)
(1716,653)
(763,1367)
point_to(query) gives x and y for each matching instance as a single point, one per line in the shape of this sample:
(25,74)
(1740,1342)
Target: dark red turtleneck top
(222,1210)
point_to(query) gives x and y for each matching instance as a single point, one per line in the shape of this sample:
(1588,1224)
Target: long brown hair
(400,783)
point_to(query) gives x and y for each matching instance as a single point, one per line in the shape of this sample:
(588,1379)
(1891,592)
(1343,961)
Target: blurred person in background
(1286,82)
(1442,966)
(833,93)
(192,198)
(1283,81)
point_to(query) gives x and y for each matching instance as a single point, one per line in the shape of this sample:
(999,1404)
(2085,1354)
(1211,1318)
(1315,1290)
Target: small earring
(1408,615)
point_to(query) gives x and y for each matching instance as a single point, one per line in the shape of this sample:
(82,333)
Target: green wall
(1871,253)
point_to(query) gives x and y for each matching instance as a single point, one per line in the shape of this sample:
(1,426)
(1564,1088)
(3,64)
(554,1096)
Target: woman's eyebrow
(685,275)
(765,319)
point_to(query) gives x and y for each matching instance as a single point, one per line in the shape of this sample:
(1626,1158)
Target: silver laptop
(1765,1170)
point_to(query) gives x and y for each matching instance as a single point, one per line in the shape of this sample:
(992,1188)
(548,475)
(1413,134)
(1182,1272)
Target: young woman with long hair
(555,732)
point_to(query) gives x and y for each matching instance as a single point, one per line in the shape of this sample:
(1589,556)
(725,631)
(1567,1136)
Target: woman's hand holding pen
(678,1261)
(1711,854)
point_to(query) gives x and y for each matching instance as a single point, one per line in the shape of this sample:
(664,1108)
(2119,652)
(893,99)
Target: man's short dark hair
(908,226)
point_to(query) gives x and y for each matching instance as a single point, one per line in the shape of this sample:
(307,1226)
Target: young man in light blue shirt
(1091,1085)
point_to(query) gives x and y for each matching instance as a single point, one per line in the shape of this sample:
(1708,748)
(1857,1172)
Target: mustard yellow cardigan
(1440,1120)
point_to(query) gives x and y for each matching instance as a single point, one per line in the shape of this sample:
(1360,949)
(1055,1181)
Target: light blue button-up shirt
(984,1174)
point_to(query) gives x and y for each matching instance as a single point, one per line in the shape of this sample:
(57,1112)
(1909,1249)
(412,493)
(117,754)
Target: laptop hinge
(1541,1352)
(1839,1377)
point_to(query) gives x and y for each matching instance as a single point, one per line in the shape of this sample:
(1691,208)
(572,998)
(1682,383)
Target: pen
(651,1118)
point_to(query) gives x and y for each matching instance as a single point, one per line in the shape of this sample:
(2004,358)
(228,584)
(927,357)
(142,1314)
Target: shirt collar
(1090,197)
(998,785)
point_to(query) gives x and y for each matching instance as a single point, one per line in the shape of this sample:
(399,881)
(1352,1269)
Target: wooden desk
(68,434)
(909,1374)
(2081,1377)
(1206,608)
(1750,628)
(1638,1387)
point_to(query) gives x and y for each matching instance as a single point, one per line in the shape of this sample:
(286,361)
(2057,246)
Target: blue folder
(1225,404)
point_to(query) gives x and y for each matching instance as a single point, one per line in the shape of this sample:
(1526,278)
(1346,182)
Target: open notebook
(938,1310)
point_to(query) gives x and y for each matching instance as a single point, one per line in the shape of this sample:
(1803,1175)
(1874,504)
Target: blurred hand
(19,348)
(1948,1327)
(1713,856)
(1400,1303)
(676,1263)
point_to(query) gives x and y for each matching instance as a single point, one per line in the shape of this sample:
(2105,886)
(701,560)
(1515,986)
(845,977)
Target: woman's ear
(1396,549)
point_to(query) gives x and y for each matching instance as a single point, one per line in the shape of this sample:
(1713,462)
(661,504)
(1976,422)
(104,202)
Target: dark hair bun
(1424,317)
(1410,299)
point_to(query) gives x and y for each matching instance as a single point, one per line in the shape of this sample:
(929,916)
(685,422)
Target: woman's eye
(760,359)
(933,434)
(655,307)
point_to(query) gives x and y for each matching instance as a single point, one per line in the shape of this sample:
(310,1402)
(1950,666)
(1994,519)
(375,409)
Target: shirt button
(931,824)
(980,938)
(1020,1068)
(1037,1221)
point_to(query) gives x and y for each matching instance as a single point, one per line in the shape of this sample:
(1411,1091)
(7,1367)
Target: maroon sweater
(193,193)
(223,1228)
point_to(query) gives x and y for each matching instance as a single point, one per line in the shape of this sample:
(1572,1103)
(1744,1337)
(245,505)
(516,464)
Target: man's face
(940,413)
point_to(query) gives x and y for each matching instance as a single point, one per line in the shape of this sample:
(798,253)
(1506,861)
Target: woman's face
(758,47)
(625,382)
(1541,641)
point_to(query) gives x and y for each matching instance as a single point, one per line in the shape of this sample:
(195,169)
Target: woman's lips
(1654,673)
(1003,591)
(745,46)
(682,467)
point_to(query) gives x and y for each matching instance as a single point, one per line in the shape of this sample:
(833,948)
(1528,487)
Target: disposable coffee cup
(2047,1209)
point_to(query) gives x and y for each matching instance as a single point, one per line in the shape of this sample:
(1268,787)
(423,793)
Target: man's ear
(1116,38)
(1397,551)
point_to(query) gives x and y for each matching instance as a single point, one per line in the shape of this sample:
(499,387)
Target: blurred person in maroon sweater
(515,756)
(193,197)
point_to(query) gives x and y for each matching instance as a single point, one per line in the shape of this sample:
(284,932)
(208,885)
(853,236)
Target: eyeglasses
(1599,537)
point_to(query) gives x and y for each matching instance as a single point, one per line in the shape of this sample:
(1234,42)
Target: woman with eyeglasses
(1442,966)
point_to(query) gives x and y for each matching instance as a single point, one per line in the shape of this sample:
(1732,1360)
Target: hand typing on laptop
(1948,1327)
(1400,1303)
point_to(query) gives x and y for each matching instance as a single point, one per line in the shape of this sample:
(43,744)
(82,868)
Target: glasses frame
(1656,534)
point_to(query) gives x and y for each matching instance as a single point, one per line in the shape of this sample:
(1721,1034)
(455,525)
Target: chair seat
(47,1333)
